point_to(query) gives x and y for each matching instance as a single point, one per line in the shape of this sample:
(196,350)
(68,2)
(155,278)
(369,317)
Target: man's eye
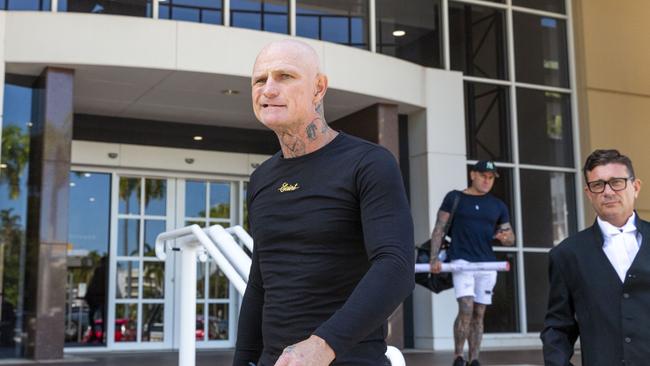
(285,76)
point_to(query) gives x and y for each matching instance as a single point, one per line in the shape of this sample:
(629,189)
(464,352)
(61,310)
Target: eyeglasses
(616,184)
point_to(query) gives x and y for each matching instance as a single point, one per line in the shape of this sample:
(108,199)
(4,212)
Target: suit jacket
(587,299)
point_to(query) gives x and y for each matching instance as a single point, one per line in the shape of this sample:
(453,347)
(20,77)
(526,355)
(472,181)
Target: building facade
(125,118)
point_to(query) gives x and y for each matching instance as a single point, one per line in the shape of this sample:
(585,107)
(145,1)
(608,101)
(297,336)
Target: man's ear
(321,87)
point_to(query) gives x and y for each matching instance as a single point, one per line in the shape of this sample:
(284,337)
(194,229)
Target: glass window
(14,170)
(487,122)
(544,128)
(410,30)
(155,196)
(268,15)
(126,320)
(195,195)
(556,6)
(503,315)
(151,230)
(200,11)
(87,258)
(129,195)
(339,21)
(25,4)
(537,288)
(153,322)
(136,8)
(126,282)
(128,234)
(219,284)
(541,50)
(153,280)
(218,327)
(548,205)
(220,200)
(477,40)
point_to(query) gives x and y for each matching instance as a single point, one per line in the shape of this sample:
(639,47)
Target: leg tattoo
(462,323)
(476,331)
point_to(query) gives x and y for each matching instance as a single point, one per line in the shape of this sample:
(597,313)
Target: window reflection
(545,134)
(14,170)
(487,122)
(267,15)
(200,11)
(548,207)
(87,259)
(126,320)
(25,4)
(152,323)
(339,21)
(126,282)
(477,42)
(410,30)
(220,200)
(503,315)
(537,288)
(541,50)
(218,321)
(155,195)
(136,8)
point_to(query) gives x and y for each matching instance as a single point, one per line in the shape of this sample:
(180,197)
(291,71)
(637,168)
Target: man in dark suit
(600,277)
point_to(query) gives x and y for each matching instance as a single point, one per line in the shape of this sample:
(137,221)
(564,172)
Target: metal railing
(192,242)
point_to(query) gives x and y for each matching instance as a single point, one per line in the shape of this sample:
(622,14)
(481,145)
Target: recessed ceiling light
(230,92)
(72,184)
(197,138)
(87,175)
(91,199)
(399,33)
(3,166)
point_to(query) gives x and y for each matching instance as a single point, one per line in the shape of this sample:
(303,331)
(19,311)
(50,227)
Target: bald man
(333,232)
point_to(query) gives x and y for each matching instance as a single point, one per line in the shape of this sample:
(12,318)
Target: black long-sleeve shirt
(333,253)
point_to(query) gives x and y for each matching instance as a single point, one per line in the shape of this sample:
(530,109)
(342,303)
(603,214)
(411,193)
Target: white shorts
(478,284)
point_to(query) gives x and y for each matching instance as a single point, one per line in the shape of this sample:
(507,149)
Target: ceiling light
(230,92)
(197,138)
(87,175)
(91,199)
(399,33)
(72,184)
(3,166)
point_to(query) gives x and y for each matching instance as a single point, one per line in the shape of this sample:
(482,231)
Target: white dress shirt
(621,244)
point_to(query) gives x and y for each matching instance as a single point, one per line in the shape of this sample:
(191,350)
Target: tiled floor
(219,358)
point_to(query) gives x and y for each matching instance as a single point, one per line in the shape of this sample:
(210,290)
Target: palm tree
(15,155)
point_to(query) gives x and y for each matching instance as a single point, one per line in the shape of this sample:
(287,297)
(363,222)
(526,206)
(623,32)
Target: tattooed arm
(437,236)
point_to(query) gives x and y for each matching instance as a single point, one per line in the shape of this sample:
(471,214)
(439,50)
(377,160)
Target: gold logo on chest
(286,187)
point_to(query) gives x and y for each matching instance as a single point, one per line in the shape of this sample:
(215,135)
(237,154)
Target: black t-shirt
(474,225)
(333,253)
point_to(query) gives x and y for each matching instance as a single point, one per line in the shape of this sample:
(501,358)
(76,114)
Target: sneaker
(474,363)
(459,361)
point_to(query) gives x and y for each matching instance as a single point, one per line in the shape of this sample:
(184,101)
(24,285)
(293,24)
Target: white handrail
(239,231)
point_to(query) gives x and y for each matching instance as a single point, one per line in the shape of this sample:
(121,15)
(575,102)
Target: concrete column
(47,222)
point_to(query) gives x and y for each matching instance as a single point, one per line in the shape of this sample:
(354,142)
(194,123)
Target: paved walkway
(224,358)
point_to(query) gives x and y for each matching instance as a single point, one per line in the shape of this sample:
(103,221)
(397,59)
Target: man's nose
(270,89)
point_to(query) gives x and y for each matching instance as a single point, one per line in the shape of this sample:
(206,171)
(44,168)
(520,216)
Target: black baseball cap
(485,166)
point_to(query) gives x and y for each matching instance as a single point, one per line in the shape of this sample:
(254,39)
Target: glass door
(140,286)
(206,203)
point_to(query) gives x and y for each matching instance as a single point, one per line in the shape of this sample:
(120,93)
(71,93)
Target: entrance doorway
(119,294)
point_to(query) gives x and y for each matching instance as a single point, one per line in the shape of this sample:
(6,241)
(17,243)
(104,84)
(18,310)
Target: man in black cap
(478,219)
